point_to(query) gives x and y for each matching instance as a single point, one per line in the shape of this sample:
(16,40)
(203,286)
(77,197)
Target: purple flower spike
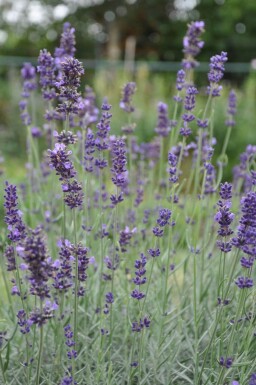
(253,379)
(244,282)
(231,110)
(163,124)
(216,73)
(192,44)
(127,93)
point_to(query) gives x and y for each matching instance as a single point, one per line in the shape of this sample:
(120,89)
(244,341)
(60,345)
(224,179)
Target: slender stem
(40,351)
(76,280)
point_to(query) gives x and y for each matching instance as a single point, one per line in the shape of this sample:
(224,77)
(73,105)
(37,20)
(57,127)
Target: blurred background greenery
(123,40)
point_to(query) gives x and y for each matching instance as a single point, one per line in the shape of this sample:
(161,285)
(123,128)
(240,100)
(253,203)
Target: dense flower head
(127,93)
(34,253)
(41,316)
(23,322)
(13,216)
(192,44)
(231,110)
(140,278)
(28,72)
(180,80)
(226,191)
(118,169)
(216,73)
(67,44)
(46,68)
(138,326)
(125,236)
(9,254)
(65,137)
(59,160)
(253,379)
(226,362)
(71,72)
(63,278)
(244,282)
(73,193)
(246,232)
(163,124)
(172,161)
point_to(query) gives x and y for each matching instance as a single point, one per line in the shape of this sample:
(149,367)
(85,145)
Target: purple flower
(226,362)
(125,236)
(13,216)
(67,381)
(23,322)
(246,232)
(192,44)
(46,68)
(34,253)
(231,110)
(253,379)
(59,160)
(67,44)
(244,282)
(127,93)
(163,124)
(71,72)
(180,80)
(164,216)
(65,137)
(216,73)
(172,161)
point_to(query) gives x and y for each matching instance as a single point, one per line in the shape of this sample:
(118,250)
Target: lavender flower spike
(216,73)
(192,44)
(127,93)
(163,124)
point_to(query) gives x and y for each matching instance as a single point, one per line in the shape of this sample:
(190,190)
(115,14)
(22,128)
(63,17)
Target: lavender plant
(137,271)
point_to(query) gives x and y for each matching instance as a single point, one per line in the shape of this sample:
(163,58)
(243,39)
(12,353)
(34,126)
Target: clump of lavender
(192,44)
(216,73)
(163,123)
(127,93)
(118,169)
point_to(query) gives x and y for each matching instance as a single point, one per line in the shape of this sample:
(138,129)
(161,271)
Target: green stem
(40,352)
(76,281)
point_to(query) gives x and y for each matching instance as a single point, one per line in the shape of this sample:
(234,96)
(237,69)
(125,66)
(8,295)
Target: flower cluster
(118,170)
(225,217)
(127,93)
(192,44)
(162,221)
(13,216)
(101,140)
(59,160)
(70,342)
(33,251)
(231,110)
(140,278)
(71,72)
(28,74)
(46,68)
(163,124)
(216,73)
(189,105)
(226,362)
(67,44)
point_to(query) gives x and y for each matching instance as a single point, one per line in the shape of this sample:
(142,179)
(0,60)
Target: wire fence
(158,66)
